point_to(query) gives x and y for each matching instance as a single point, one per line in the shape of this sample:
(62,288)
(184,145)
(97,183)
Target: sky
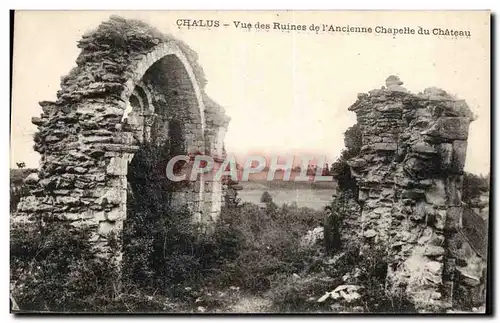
(286,92)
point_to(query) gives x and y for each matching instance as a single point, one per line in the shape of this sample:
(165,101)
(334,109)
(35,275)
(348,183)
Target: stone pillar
(83,172)
(217,123)
(409,174)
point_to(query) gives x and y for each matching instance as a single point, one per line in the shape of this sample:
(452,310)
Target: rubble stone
(413,155)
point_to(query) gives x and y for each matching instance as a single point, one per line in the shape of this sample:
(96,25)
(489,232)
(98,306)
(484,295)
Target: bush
(296,294)
(165,251)
(372,265)
(158,251)
(54,269)
(266,197)
(340,171)
(367,269)
(17,187)
(473,186)
(268,244)
(349,212)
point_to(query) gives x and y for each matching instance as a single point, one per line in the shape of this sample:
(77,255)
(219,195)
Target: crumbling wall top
(409,175)
(109,54)
(444,103)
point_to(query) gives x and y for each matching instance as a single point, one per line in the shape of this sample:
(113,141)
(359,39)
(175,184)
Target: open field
(305,194)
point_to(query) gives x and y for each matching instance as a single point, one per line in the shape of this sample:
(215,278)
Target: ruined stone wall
(409,174)
(130,85)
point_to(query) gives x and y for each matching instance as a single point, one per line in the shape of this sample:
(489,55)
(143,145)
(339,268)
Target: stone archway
(165,114)
(133,87)
(166,117)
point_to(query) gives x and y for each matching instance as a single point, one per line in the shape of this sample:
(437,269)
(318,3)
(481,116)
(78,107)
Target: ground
(305,194)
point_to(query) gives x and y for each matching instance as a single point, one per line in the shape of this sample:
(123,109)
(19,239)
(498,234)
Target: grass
(286,185)
(254,254)
(314,195)
(250,247)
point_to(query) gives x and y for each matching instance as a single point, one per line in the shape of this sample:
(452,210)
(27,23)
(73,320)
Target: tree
(474,185)
(266,197)
(21,165)
(340,170)
(325,171)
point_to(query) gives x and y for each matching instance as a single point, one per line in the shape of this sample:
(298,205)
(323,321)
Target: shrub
(473,186)
(339,169)
(54,269)
(17,188)
(166,251)
(266,197)
(268,241)
(296,294)
(372,264)
(349,212)
(367,269)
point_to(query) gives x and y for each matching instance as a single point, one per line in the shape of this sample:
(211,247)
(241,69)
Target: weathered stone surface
(393,83)
(426,236)
(422,211)
(459,153)
(450,128)
(385,146)
(436,194)
(446,157)
(312,237)
(411,163)
(467,278)
(432,251)
(423,148)
(31,179)
(117,166)
(114,215)
(434,267)
(370,233)
(106,227)
(357,162)
(454,218)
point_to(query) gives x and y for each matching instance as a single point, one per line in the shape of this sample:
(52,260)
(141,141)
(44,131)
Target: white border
(494,5)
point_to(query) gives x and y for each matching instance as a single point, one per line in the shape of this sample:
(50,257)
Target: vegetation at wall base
(168,266)
(55,269)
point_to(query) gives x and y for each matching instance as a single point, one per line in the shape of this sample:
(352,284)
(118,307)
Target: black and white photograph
(250,162)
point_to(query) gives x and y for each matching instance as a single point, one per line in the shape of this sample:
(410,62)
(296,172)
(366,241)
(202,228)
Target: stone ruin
(409,174)
(134,92)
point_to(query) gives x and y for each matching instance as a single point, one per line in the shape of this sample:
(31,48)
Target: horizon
(287,96)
